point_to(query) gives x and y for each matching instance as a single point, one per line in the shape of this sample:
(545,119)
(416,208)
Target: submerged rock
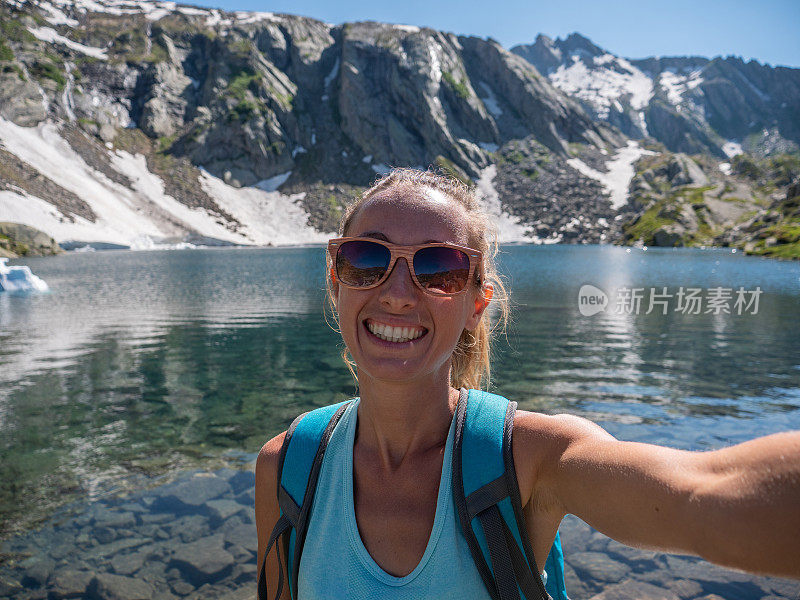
(203,561)
(117,587)
(69,583)
(192,493)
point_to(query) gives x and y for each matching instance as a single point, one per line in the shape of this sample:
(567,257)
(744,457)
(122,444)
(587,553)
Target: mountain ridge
(691,103)
(205,123)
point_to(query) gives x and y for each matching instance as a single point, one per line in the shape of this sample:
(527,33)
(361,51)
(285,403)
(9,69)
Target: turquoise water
(141,367)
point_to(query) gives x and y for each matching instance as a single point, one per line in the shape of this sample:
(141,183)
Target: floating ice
(19,279)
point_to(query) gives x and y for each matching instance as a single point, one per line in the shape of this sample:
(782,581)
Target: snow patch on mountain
(676,85)
(57,17)
(609,79)
(490,101)
(267,217)
(509,228)
(118,220)
(245,17)
(731,148)
(273,183)
(619,175)
(48,34)
(145,215)
(151,188)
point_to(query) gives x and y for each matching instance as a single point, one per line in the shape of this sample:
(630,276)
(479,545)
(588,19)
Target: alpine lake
(135,395)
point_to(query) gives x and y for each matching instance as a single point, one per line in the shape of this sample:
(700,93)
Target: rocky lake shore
(195,538)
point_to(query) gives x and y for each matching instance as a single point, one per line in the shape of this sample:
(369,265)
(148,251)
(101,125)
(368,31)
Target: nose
(399,290)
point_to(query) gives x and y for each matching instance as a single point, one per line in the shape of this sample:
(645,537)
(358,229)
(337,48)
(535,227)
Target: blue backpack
(485,491)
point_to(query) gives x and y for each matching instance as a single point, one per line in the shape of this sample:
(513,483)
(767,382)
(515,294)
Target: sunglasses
(437,268)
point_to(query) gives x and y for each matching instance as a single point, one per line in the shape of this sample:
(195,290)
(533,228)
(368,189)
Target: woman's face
(406,217)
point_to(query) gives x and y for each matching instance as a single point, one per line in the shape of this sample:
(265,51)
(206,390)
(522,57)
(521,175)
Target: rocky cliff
(142,123)
(690,104)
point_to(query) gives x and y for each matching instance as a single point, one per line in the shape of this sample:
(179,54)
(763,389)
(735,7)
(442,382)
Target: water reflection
(149,363)
(142,366)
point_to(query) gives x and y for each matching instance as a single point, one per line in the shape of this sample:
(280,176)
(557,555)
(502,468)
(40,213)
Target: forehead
(412,216)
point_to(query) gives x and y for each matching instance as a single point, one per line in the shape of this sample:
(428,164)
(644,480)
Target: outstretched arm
(738,506)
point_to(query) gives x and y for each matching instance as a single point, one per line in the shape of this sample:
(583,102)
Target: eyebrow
(374,234)
(381,236)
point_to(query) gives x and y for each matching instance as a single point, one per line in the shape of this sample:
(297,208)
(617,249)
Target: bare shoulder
(267,466)
(550,435)
(540,441)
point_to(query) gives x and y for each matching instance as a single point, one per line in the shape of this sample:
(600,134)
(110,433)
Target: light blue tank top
(335,564)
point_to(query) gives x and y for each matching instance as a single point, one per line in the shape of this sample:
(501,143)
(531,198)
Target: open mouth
(398,335)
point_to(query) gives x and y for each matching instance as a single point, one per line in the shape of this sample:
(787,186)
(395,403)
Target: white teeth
(394,334)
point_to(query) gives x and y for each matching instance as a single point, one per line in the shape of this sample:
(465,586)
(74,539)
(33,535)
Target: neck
(400,420)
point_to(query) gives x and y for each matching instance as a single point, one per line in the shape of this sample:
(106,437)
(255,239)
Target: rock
(638,559)
(702,571)
(576,587)
(203,561)
(188,529)
(243,536)
(575,534)
(9,587)
(128,564)
(20,100)
(244,573)
(667,236)
(182,588)
(116,587)
(685,588)
(115,547)
(635,590)
(598,566)
(22,240)
(781,587)
(222,509)
(247,497)
(69,583)
(37,571)
(192,493)
(134,507)
(157,517)
(105,535)
(242,481)
(115,519)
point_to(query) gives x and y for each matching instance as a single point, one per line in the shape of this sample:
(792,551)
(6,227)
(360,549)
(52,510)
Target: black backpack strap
(500,555)
(309,433)
(280,528)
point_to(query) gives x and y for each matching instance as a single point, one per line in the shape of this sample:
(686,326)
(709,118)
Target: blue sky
(765,30)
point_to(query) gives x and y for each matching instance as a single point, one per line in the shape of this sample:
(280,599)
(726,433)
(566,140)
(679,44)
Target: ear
(481,302)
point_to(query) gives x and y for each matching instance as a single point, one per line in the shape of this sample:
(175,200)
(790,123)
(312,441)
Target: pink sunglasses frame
(398,251)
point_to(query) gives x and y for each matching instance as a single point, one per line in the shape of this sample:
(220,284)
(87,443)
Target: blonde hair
(471,358)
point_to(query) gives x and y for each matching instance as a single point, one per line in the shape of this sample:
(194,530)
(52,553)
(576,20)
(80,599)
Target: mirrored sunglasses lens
(361,264)
(442,270)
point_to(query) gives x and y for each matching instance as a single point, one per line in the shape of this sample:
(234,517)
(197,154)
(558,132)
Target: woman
(415,336)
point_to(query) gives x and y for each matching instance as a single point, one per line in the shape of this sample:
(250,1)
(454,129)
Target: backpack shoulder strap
(299,465)
(488,503)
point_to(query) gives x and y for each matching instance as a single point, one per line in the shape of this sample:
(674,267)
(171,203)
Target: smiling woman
(392,487)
